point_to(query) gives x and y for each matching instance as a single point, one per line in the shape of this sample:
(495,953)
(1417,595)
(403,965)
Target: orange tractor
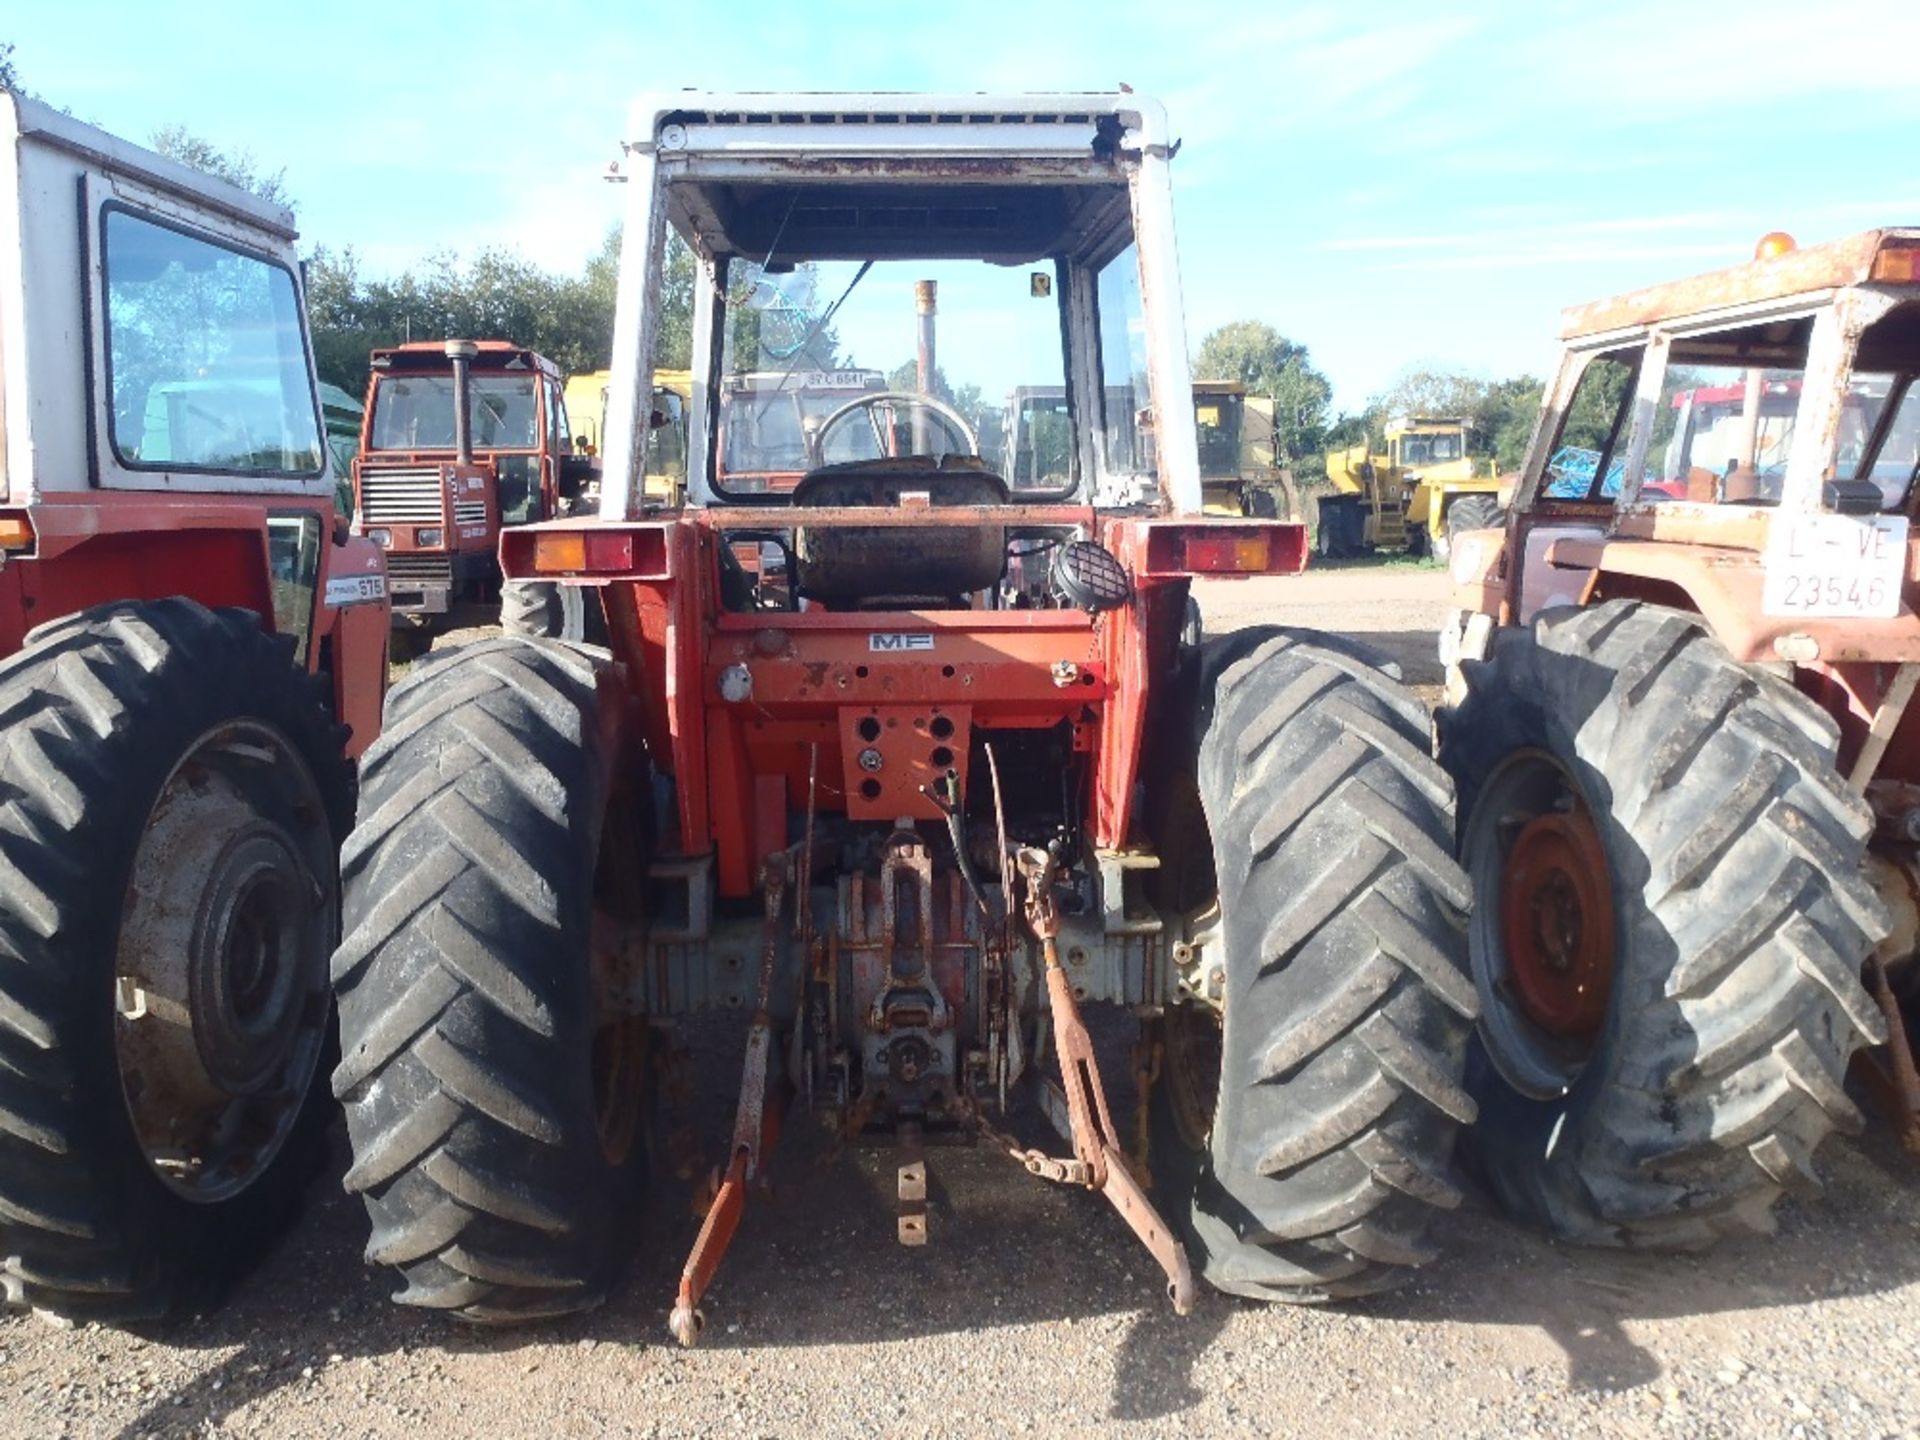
(462,439)
(1689,777)
(908,810)
(192,654)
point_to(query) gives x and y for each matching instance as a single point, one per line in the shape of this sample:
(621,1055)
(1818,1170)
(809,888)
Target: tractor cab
(460,439)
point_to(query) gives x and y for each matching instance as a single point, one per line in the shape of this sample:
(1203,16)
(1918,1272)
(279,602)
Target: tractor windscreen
(415,412)
(863,318)
(1216,420)
(1435,449)
(838,361)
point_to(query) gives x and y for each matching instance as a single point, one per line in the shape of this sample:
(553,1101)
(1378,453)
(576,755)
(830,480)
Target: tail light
(640,552)
(16,532)
(1250,547)
(1898,264)
(1231,553)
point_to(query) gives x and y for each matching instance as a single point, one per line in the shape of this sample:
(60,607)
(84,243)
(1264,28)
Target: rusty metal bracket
(912,1183)
(1096,1144)
(756,1126)
(1895,1083)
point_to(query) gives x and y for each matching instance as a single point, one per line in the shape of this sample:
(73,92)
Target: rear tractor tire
(1304,1129)
(1670,917)
(172,794)
(495,1089)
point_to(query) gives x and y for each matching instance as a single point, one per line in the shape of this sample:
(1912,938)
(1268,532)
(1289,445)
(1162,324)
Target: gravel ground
(1032,1311)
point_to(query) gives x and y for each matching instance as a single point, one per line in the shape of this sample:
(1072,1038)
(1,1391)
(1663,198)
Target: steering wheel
(950,419)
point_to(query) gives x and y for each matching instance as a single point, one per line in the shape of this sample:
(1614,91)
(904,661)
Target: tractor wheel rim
(1543,935)
(220,974)
(1557,920)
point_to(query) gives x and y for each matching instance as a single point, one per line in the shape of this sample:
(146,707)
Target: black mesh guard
(1089,578)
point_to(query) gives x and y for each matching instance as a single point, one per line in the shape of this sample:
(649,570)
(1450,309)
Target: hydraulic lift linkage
(1099,1161)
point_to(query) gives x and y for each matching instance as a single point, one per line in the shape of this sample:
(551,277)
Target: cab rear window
(206,359)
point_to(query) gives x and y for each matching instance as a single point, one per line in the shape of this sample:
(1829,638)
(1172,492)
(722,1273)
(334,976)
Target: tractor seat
(868,567)
(948,480)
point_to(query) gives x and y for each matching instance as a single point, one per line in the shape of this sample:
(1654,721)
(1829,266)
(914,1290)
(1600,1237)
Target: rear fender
(351,619)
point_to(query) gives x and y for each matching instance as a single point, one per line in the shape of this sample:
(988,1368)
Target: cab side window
(1589,456)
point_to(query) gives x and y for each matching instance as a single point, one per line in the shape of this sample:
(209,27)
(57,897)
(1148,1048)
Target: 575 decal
(355,589)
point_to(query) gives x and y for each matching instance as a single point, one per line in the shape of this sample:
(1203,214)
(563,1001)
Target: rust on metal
(1098,1155)
(1896,1081)
(1810,272)
(1726,584)
(756,1126)
(1556,916)
(911,1183)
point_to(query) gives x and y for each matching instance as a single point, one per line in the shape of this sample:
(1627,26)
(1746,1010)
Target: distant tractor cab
(192,656)
(1680,721)
(439,476)
(1415,494)
(895,815)
(772,422)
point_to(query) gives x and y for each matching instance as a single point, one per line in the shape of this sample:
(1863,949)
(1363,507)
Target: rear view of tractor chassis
(1680,728)
(905,839)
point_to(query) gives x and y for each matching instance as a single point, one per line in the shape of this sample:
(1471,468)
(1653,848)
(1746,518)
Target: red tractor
(192,654)
(461,439)
(1689,770)
(909,809)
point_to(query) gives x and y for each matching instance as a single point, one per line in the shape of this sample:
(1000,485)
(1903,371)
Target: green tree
(983,417)
(9,74)
(240,168)
(1267,363)
(1500,412)
(1504,419)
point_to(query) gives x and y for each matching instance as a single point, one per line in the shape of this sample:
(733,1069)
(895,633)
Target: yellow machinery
(1240,471)
(586,399)
(1415,494)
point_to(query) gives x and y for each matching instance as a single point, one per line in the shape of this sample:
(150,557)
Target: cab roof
(24,119)
(1008,178)
(1811,271)
(423,355)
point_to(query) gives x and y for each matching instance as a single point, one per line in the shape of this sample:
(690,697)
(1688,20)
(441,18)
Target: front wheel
(1670,917)
(174,788)
(1469,512)
(1311,1090)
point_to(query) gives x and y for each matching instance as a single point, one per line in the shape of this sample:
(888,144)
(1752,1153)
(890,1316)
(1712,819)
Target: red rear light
(639,552)
(1225,547)
(1233,552)
(609,553)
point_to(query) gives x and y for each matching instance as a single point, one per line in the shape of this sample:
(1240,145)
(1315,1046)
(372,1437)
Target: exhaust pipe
(925,308)
(460,352)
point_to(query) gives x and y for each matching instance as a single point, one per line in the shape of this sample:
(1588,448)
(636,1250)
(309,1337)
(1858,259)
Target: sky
(1396,186)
